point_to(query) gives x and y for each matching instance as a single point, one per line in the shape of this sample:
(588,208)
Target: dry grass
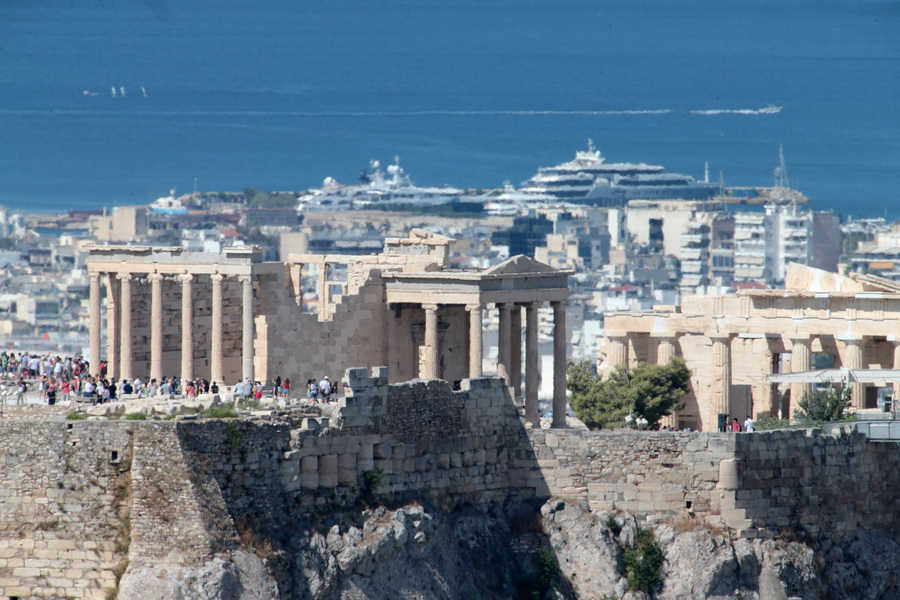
(685,523)
(259,544)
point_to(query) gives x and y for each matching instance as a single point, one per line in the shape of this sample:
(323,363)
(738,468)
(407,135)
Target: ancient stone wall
(63,513)
(80,501)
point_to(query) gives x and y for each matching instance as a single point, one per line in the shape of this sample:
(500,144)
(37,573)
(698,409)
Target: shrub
(370,481)
(76,416)
(136,416)
(220,412)
(825,405)
(642,563)
(613,525)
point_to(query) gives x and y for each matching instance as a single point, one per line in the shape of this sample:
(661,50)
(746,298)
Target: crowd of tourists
(64,378)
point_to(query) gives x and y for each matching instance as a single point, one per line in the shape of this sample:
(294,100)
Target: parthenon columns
(665,352)
(476,340)
(126,369)
(156,334)
(187,327)
(720,384)
(215,363)
(853,359)
(432,355)
(559,363)
(532,367)
(801,361)
(95,323)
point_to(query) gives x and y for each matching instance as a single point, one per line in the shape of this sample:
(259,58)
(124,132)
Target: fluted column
(187,327)
(853,359)
(215,361)
(720,386)
(95,322)
(247,320)
(665,352)
(515,348)
(503,342)
(432,357)
(112,327)
(617,355)
(532,366)
(801,361)
(476,340)
(559,364)
(156,334)
(125,372)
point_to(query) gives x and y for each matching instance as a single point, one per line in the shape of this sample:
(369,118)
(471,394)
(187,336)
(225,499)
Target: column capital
(246,278)
(155,276)
(186,277)
(558,303)
(216,277)
(471,307)
(433,307)
(94,275)
(125,276)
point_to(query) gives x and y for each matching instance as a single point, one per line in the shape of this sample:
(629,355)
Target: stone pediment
(519,264)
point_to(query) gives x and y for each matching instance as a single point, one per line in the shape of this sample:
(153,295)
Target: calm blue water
(278,94)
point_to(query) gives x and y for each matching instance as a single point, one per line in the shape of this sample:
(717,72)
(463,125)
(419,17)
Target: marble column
(187,327)
(665,352)
(617,355)
(801,361)
(247,329)
(215,356)
(504,343)
(720,386)
(532,364)
(432,357)
(112,327)
(559,364)
(324,291)
(853,360)
(476,341)
(156,325)
(515,350)
(126,361)
(95,322)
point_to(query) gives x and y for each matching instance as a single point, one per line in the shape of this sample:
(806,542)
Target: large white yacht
(589,179)
(375,189)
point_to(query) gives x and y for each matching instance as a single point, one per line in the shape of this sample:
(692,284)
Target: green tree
(648,391)
(822,406)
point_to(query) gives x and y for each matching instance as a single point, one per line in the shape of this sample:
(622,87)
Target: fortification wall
(63,509)
(81,500)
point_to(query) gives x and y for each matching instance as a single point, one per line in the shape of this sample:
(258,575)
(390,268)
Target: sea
(117,102)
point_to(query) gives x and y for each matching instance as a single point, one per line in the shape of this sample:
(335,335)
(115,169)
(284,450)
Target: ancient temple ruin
(740,348)
(232,315)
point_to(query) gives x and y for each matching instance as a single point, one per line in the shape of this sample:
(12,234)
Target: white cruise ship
(589,179)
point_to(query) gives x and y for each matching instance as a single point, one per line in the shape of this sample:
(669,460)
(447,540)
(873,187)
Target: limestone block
(328,470)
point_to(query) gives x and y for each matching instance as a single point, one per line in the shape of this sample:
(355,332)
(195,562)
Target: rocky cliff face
(557,551)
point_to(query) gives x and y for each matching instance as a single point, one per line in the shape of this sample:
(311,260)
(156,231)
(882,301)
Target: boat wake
(768,110)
